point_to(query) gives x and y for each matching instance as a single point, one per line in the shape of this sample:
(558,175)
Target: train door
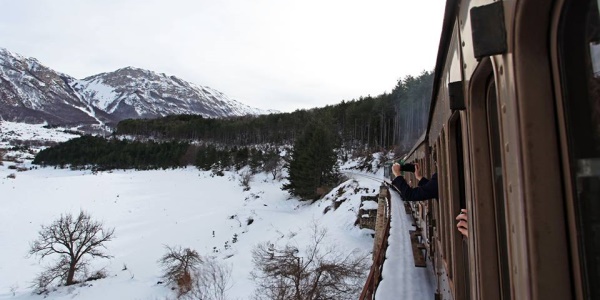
(579,75)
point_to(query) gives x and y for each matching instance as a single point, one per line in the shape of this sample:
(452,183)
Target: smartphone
(407,168)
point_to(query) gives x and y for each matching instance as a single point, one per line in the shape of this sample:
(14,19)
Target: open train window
(495,147)
(443,196)
(439,223)
(456,170)
(579,55)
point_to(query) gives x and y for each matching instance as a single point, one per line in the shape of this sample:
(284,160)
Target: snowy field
(151,209)
(183,207)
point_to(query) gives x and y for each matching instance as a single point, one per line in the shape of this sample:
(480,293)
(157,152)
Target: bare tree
(179,265)
(189,157)
(211,282)
(245,178)
(280,273)
(73,240)
(274,166)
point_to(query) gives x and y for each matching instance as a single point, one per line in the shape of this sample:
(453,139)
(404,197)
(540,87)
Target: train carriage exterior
(514,134)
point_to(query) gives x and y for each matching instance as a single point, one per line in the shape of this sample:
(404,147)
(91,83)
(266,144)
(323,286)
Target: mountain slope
(137,93)
(31,92)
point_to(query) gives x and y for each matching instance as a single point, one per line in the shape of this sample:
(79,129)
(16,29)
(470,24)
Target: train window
(439,222)
(442,196)
(443,189)
(458,201)
(498,186)
(579,54)
(458,158)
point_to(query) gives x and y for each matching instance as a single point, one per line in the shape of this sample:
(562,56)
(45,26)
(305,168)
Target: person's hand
(396,169)
(418,172)
(463,225)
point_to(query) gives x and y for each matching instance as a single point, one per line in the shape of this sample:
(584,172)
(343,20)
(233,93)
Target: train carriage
(514,135)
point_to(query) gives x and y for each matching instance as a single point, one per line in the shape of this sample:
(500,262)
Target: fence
(382,232)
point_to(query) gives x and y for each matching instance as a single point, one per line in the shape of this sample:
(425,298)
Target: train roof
(418,143)
(447,28)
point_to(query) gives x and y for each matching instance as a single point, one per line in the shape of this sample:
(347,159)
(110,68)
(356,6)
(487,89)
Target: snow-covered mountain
(137,93)
(31,92)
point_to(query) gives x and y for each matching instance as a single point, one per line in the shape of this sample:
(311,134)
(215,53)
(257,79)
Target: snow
(182,207)
(12,131)
(103,95)
(401,279)
(369,205)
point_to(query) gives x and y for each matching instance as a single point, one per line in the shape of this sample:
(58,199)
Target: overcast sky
(270,54)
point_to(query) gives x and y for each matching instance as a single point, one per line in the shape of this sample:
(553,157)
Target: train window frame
(482,231)
(457,200)
(441,196)
(438,207)
(575,70)
(538,210)
(495,139)
(443,190)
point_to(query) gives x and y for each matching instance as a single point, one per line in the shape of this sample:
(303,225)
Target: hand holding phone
(408,167)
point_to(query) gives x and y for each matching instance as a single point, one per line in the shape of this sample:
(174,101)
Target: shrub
(195,277)
(179,265)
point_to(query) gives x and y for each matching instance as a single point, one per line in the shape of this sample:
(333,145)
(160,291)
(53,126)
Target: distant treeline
(113,154)
(395,119)
(105,154)
(382,122)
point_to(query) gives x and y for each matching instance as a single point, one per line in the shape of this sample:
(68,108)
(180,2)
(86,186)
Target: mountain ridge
(31,92)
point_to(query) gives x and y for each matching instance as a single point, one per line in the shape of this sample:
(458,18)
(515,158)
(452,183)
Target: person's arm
(423,192)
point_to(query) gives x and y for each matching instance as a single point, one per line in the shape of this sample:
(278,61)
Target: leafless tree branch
(71,239)
(322,273)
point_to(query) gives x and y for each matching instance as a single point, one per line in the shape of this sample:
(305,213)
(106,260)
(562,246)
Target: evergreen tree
(256,160)
(313,162)
(240,157)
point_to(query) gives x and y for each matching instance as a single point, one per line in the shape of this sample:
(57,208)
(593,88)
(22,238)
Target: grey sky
(270,54)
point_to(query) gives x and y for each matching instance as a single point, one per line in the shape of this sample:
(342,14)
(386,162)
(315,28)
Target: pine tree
(313,163)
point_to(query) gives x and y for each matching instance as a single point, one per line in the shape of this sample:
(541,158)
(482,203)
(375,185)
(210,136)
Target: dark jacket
(426,189)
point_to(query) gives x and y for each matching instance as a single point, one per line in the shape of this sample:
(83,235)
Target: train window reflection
(498,187)
(595,57)
(579,47)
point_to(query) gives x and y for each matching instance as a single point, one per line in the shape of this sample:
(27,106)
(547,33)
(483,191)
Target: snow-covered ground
(414,282)
(151,209)
(10,131)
